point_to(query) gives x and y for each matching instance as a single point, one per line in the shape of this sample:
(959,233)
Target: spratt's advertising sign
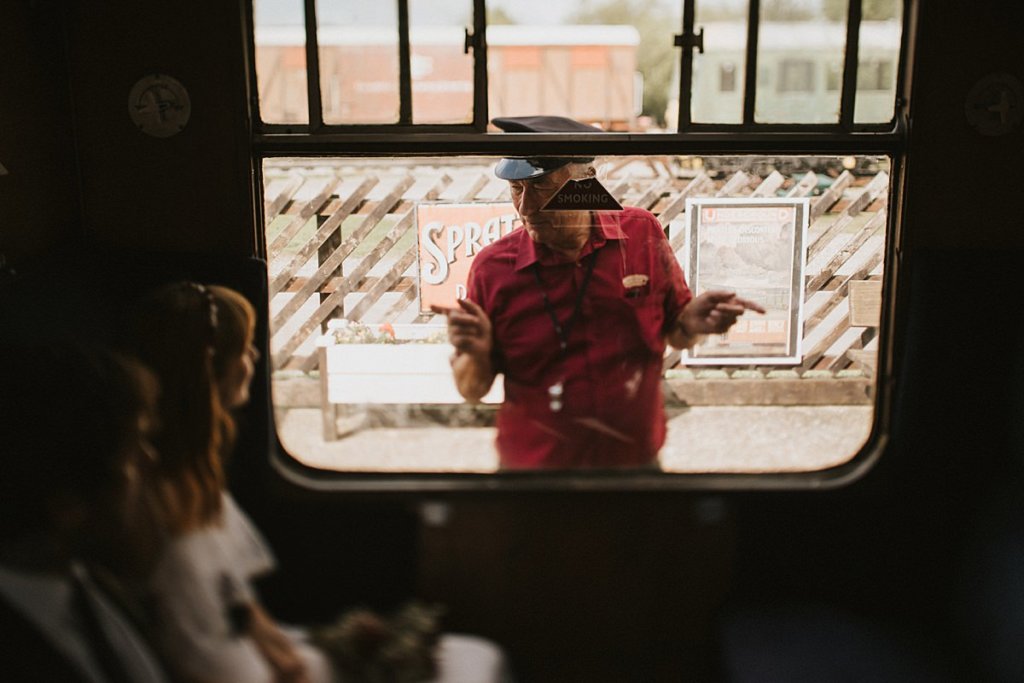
(450,235)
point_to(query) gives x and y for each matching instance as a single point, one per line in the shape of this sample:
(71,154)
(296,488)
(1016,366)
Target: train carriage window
(441,69)
(358,248)
(582,60)
(778,187)
(727,77)
(331,65)
(280,61)
(724,44)
(358,55)
(791,39)
(881,33)
(833,75)
(795,75)
(775,39)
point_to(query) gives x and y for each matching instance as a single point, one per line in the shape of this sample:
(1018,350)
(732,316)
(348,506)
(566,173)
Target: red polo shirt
(611,410)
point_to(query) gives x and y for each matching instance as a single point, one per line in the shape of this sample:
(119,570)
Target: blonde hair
(189,334)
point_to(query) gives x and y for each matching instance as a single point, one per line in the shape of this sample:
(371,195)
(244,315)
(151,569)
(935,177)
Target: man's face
(530,196)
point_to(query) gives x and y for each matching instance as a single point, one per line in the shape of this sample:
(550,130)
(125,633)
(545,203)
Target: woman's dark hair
(188,334)
(68,414)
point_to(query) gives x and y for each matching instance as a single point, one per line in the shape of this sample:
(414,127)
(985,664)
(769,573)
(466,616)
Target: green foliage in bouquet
(366,647)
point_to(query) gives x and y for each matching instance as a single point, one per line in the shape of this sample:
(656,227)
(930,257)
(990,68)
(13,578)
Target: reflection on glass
(608,64)
(798,46)
(881,32)
(719,73)
(361,376)
(358,61)
(442,75)
(280,39)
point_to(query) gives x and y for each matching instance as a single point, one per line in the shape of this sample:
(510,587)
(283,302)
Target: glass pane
(608,64)
(881,31)
(281,60)
(719,73)
(360,369)
(799,46)
(442,75)
(358,61)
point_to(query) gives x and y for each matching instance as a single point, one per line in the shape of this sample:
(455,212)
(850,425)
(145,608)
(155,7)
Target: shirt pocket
(649,314)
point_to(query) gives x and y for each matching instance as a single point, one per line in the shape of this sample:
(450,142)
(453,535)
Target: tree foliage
(656,55)
(787,10)
(871,10)
(831,10)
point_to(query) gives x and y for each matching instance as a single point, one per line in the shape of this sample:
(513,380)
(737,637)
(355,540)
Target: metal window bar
(477,41)
(850,65)
(750,77)
(404,65)
(687,42)
(316,112)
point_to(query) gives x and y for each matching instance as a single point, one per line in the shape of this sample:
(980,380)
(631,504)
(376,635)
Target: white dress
(199,578)
(201,574)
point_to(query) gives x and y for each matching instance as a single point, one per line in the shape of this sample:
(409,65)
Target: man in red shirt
(575,310)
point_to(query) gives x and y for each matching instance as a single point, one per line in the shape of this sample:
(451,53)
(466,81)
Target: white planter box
(392,373)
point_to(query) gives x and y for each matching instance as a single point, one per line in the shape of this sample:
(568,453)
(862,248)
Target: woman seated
(199,341)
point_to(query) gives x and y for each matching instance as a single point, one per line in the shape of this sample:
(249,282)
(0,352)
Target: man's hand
(470,332)
(469,328)
(713,312)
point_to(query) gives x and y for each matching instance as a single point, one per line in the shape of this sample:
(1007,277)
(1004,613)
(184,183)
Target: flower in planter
(351,332)
(440,337)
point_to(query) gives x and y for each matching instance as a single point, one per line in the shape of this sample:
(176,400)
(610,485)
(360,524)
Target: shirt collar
(606,227)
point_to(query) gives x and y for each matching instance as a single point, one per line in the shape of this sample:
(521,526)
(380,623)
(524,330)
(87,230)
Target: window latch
(469,43)
(688,40)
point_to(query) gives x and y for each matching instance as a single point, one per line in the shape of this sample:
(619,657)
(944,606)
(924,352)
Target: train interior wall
(575,585)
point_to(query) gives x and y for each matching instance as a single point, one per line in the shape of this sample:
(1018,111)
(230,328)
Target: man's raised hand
(714,312)
(469,328)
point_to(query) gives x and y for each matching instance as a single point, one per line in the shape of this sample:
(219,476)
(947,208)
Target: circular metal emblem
(995,105)
(159,105)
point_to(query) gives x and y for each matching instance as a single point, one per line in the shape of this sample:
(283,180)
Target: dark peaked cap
(526,168)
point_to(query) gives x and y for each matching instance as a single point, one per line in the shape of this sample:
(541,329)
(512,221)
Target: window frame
(317,139)
(476,41)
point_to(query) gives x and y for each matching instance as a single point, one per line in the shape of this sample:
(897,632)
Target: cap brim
(525,169)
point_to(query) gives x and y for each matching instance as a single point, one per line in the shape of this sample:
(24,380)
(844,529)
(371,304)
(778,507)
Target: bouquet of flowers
(366,647)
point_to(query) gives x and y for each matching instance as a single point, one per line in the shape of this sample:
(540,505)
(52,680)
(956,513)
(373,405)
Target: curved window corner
(361,377)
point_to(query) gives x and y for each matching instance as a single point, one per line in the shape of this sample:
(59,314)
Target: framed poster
(449,236)
(755,247)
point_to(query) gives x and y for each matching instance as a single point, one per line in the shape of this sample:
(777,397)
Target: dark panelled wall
(189,192)
(962,187)
(897,548)
(39,195)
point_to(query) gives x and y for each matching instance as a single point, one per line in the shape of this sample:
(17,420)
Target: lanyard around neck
(562,330)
